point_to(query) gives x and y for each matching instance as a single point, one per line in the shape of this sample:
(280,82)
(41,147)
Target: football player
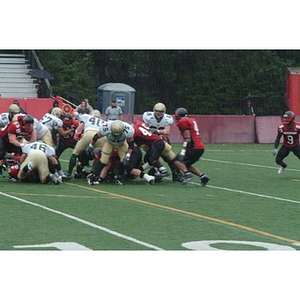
(54,123)
(89,125)
(156,148)
(118,135)
(5,119)
(160,123)
(290,131)
(192,147)
(40,156)
(66,135)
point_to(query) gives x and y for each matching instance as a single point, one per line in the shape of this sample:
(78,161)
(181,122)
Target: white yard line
(120,235)
(249,165)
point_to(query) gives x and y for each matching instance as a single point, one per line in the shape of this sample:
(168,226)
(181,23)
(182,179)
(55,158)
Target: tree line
(203,81)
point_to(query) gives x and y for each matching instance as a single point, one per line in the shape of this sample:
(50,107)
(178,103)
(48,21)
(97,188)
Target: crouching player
(41,157)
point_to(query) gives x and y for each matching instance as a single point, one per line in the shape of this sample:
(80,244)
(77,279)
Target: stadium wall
(213,128)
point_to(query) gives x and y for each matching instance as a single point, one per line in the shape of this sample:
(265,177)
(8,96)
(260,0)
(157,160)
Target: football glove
(126,161)
(275,151)
(90,149)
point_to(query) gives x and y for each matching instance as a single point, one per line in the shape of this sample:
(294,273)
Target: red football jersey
(142,134)
(290,134)
(16,128)
(191,125)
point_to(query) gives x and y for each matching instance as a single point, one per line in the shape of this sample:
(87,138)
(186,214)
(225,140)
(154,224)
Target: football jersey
(142,134)
(51,121)
(4,120)
(38,147)
(90,122)
(191,125)
(150,119)
(40,128)
(290,134)
(127,133)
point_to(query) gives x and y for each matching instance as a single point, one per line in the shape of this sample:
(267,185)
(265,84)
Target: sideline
(191,213)
(120,235)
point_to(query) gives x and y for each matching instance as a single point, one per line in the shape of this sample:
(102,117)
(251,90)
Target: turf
(246,206)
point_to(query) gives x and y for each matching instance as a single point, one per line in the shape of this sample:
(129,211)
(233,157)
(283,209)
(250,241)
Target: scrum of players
(110,151)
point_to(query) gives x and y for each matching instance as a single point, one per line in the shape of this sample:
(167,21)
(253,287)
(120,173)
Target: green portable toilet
(123,93)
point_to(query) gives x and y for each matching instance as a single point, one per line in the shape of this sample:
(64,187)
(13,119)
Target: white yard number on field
(58,245)
(208,245)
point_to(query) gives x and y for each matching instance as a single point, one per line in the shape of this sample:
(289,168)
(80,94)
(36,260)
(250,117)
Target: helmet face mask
(180,112)
(117,129)
(288,117)
(67,119)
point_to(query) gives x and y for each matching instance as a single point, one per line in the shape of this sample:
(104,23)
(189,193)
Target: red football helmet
(180,112)
(288,117)
(67,119)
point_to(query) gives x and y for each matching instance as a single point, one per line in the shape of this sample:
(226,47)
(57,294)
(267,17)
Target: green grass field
(246,206)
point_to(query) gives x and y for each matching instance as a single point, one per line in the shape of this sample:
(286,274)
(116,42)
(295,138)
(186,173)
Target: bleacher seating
(14,80)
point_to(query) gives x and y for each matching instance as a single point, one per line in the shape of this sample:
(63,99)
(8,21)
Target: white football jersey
(51,121)
(90,122)
(40,128)
(127,133)
(38,147)
(152,122)
(4,120)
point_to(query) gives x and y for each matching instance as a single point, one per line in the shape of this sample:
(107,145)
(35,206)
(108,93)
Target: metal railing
(35,63)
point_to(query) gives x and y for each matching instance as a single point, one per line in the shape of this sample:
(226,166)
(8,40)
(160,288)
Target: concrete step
(12,89)
(24,85)
(12,71)
(12,60)
(17,80)
(14,66)
(11,55)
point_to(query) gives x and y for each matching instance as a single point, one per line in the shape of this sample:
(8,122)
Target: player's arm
(64,132)
(165,131)
(276,143)
(12,137)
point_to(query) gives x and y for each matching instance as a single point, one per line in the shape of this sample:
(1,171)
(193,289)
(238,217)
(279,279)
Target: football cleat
(204,180)
(281,169)
(163,172)
(30,165)
(53,178)
(177,176)
(149,178)
(187,177)
(68,176)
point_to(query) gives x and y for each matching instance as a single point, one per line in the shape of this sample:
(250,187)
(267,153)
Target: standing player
(193,147)
(88,127)
(160,123)
(290,131)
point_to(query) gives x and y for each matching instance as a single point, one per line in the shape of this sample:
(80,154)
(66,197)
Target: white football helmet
(159,110)
(117,128)
(57,112)
(95,113)
(13,109)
